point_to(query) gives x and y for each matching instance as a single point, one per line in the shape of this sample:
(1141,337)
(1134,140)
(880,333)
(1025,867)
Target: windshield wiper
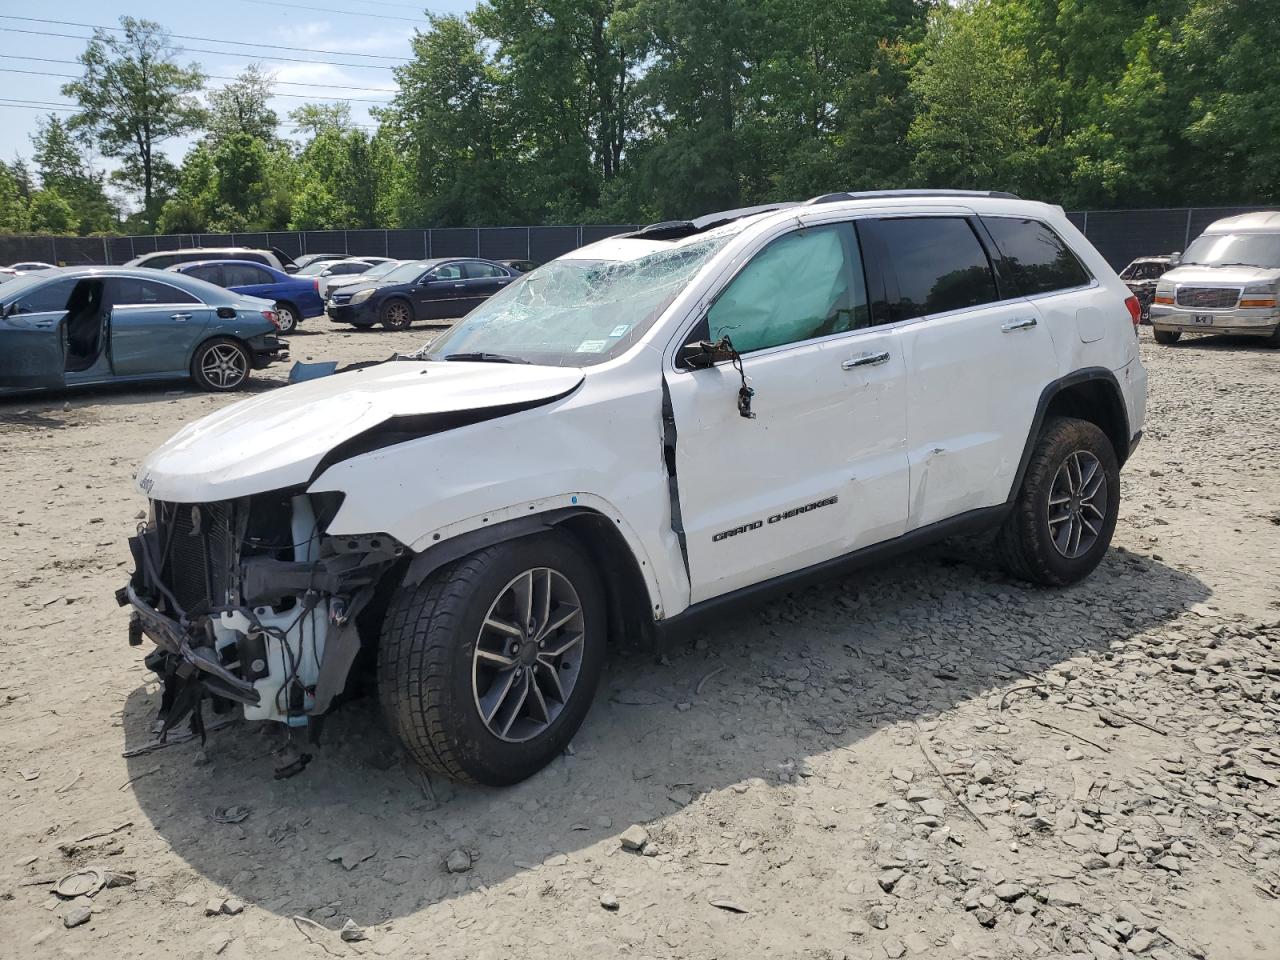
(482,357)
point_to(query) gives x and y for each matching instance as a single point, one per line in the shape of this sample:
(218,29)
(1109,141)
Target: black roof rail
(675,229)
(885,194)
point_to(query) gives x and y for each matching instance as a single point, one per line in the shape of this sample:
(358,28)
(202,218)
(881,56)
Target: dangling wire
(745,393)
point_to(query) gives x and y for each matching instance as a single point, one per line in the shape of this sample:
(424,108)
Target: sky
(366,38)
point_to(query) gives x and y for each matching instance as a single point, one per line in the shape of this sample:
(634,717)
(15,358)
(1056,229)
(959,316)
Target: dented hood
(278,438)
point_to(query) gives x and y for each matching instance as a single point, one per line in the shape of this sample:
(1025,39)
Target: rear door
(249,279)
(977,358)
(483,280)
(32,339)
(154,325)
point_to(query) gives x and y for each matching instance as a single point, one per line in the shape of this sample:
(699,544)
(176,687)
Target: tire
(431,684)
(396,314)
(1274,339)
(1167,336)
(287,314)
(221,365)
(1032,548)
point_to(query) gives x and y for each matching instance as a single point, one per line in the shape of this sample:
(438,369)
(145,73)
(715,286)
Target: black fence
(1119,235)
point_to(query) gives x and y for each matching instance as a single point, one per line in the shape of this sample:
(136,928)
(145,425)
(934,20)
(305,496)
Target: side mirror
(290,268)
(1175,258)
(702,354)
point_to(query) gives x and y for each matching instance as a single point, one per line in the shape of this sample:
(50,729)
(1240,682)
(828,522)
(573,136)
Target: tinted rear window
(1036,256)
(939,263)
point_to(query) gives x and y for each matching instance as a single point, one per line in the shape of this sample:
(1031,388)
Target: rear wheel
(396,315)
(221,365)
(1167,336)
(287,314)
(1066,509)
(487,668)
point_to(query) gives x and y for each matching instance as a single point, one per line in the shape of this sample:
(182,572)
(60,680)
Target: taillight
(1135,310)
(273,317)
(316,284)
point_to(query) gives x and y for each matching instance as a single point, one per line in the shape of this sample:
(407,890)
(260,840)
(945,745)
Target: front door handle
(458,286)
(866,360)
(1023,323)
(179,316)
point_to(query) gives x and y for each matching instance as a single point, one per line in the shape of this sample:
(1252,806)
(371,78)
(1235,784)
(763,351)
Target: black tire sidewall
(384,314)
(485,758)
(198,375)
(1060,440)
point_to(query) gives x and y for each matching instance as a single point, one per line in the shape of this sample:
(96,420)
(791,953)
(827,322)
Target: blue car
(296,298)
(90,325)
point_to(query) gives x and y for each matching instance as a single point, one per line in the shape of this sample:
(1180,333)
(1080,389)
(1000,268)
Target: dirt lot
(927,760)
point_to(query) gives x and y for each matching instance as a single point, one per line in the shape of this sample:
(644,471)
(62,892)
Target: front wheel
(487,668)
(287,315)
(1167,336)
(1066,509)
(396,315)
(221,365)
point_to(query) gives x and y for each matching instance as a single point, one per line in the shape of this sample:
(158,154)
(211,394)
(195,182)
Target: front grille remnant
(1208,298)
(196,545)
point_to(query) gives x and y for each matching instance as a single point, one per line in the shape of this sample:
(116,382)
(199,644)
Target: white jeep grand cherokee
(636,433)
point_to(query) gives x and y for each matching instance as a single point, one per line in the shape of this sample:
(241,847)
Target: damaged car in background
(639,433)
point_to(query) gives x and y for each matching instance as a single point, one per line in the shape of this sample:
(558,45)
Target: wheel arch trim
(569,511)
(1117,410)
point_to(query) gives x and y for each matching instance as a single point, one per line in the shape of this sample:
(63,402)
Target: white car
(1226,282)
(640,432)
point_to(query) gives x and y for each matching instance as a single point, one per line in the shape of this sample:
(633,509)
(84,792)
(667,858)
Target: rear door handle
(1024,323)
(866,360)
(179,316)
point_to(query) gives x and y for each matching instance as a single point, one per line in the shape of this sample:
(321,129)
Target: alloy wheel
(397,315)
(224,366)
(1077,504)
(287,319)
(528,655)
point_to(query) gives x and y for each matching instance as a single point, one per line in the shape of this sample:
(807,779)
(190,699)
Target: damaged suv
(639,432)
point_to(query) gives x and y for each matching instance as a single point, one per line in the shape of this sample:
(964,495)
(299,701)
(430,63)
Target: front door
(154,326)
(821,469)
(978,356)
(438,295)
(33,336)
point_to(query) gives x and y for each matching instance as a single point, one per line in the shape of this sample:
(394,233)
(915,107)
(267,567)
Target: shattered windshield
(577,312)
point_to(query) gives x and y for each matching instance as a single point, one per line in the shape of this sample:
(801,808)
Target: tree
(13,206)
(241,107)
(133,97)
(64,169)
(452,123)
(51,213)
(313,118)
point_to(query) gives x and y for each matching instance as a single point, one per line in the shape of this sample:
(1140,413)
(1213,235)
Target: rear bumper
(267,349)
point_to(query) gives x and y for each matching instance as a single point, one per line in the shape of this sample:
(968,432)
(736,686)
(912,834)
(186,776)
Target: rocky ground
(929,760)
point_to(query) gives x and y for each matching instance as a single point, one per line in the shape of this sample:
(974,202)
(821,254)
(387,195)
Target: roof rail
(885,194)
(675,229)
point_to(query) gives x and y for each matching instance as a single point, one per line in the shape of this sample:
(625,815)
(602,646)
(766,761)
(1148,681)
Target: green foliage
(50,213)
(241,107)
(528,111)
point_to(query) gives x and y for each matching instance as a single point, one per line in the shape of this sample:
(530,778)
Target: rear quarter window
(1037,258)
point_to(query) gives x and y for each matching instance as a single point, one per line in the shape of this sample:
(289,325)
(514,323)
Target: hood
(1192,273)
(278,438)
(357,283)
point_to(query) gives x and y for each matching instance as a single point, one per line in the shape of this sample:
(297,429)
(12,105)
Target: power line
(288,83)
(216,53)
(345,13)
(292,96)
(182,36)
